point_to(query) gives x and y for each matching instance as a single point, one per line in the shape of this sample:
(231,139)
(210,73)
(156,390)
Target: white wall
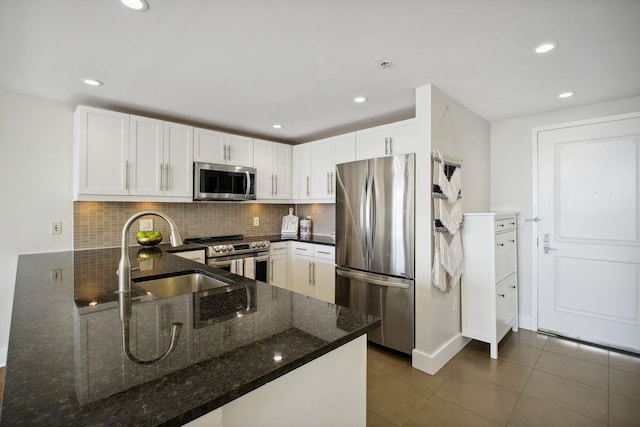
(511,178)
(36,139)
(448,126)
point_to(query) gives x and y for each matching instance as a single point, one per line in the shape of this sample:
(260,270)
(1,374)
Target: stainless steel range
(234,253)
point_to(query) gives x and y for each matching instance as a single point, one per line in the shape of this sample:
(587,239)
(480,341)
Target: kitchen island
(247,353)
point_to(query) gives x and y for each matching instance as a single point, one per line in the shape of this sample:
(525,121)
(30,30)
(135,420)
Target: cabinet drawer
(324,252)
(277,248)
(505,224)
(506,304)
(505,254)
(298,248)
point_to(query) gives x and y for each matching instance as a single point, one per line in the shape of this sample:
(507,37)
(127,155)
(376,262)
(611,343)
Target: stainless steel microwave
(213,182)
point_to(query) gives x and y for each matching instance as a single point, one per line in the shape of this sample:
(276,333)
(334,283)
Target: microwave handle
(246,194)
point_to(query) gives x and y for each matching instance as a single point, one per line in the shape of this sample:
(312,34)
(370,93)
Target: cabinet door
(197,255)
(239,151)
(322,169)
(281,169)
(404,137)
(209,146)
(301,275)
(178,160)
(278,272)
(264,179)
(325,280)
(102,150)
(372,143)
(344,148)
(146,145)
(301,171)
(505,254)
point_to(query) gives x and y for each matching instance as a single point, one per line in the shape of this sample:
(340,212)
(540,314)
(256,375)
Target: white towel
(450,214)
(451,256)
(450,187)
(438,275)
(250,268)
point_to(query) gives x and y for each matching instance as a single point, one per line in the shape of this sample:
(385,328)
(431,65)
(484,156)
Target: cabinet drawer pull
(501,295)
(500,225)
(323,252)
(301,249)
(512,286)
(512,241)
(500,244)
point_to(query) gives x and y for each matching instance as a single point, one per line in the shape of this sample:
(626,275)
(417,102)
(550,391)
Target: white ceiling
(243,65)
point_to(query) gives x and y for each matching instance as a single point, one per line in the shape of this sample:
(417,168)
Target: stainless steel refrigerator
(375,244)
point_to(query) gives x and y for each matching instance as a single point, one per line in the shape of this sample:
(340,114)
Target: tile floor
(536,381)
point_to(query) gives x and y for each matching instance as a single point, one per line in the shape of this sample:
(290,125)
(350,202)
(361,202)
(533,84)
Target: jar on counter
(305,227)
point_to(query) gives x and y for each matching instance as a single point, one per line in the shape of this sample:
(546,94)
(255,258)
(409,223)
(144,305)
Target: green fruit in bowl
(148,238)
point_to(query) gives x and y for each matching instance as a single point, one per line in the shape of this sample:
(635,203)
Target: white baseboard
(3,356)
(431,363)
(526,322)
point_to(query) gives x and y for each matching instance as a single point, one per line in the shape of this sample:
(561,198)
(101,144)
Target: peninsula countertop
(66,365)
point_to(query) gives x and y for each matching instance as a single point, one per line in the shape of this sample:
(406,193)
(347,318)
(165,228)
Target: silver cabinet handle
(276,184)
(224,152)
(328,183)
(271,267)
(301,249)
(308,186)
(229,151)
(386,146)
(161,177)
(272,185)
(167,176)
(323,252)
(126,174)
(310,267)
(390,145)
(332,186)
(314,274)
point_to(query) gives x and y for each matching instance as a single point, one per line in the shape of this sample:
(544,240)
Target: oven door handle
(220,263)
(262,258)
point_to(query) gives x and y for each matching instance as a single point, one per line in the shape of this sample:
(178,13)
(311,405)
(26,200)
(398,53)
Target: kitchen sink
(178,285)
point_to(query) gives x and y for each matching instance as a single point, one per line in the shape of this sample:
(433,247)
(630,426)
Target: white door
(588,204)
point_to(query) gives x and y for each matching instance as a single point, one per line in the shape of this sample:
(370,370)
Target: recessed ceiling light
(565,95)
(545,47)
(276,126)
(92,82)
(139,5)
(359,99)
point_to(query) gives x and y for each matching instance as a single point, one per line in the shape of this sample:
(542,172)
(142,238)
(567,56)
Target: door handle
(547,249)
(547,239)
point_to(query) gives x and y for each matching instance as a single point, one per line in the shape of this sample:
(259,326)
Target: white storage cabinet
(273,165)
(278,264)
(312,270)
(387,140)
(221,148)
(489,291)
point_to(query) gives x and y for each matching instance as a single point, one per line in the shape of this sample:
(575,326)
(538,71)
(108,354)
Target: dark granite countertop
(317,239)
(66,365)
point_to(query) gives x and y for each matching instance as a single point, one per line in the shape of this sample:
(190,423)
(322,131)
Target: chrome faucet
(124,290)
(124,268)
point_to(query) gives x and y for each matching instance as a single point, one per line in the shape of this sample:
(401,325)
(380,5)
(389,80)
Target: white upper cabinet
(386,140)
(322,169)
(123,157)
(273,165)
(301,172)
(222,148)
(178,160)
(101,152)
(146,151)
(313,166)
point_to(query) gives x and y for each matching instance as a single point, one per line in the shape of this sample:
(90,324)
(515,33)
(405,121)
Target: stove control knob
(229,248)
(266,244)
(252,245)
(216,248)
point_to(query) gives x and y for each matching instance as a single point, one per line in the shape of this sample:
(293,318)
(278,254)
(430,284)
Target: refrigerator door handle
(374,215)
(374,279)
(369,208)
(363,224)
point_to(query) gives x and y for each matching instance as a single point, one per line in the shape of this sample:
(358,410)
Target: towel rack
(437,157)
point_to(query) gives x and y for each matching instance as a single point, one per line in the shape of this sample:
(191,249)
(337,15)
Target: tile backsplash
(99,224)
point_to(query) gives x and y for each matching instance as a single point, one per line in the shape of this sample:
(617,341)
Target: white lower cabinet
(489,291)
(278,264)
(312,270)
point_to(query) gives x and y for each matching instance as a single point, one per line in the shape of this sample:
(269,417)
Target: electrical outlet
(56,275)
(56,227)
(455,303)
(146,225)
(256,221)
